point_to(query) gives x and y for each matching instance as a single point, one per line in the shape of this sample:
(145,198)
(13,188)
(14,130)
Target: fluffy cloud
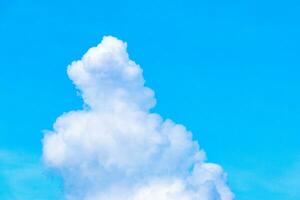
(115,148)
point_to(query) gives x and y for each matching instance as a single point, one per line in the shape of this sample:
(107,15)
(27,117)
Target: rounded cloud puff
(115,148)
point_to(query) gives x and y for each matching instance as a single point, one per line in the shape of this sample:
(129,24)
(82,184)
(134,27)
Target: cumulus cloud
(115,148)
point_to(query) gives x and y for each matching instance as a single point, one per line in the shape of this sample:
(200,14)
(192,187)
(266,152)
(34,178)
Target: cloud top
(115,148)
(108,79)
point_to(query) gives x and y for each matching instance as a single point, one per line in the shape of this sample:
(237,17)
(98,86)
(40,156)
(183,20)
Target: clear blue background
(228,70)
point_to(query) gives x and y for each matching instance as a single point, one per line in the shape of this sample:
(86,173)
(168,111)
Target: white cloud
(115,148)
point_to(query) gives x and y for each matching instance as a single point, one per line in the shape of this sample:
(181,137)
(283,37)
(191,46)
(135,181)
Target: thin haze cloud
(115,148)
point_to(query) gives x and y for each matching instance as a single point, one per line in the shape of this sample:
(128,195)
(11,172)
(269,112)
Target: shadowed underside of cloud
(115,148)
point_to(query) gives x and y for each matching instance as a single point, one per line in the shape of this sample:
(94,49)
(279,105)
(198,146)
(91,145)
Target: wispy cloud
(285,183)
(116,149)
(22,176)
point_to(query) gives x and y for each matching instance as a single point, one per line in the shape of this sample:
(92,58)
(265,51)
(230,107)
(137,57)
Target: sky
(228,71)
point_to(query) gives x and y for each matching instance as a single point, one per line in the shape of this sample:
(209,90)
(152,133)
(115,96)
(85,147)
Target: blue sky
(229,71)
